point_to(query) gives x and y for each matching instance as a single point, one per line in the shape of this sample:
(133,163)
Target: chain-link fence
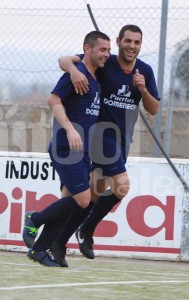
(35,33)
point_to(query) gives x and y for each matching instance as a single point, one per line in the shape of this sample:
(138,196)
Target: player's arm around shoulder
(66,63)
(79,80)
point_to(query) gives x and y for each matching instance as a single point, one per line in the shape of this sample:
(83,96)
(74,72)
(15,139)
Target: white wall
(151,222)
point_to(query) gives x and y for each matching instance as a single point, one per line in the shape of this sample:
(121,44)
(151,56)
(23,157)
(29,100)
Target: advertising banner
(146,224)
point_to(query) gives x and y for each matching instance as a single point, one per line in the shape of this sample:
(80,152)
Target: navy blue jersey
(120,99)
(82,111)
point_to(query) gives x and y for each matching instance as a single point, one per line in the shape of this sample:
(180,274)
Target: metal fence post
(161,65)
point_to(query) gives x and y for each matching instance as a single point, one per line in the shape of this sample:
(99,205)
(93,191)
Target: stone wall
(27,128)
(144,143)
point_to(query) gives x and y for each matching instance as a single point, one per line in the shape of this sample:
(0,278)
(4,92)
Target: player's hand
(80,82)
(74,140)
(139,80)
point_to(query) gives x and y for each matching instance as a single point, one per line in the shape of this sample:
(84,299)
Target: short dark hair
(131,27)
(92,37)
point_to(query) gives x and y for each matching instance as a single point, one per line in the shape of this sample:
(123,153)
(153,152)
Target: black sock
(71,224)
(104,204)
(47,235)
(56,211)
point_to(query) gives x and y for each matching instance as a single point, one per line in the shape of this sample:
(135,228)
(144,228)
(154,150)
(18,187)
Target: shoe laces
(33,230)
(49,254)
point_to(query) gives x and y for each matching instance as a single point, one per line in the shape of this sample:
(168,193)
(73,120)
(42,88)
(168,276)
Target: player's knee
(122,191)
(85,204)
(121,185)
(83,199)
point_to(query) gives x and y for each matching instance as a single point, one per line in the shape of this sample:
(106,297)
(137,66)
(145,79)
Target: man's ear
(86,48)
(117,41)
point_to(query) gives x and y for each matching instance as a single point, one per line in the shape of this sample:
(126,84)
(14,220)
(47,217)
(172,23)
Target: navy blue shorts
(111,157)
(73,169)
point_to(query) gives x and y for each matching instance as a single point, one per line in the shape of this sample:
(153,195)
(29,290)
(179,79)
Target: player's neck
(89,67)
(127,66)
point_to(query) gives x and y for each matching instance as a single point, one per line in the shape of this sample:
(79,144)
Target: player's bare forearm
(58,111)
(150,103)
(66,63)
(74,139)
(78,79)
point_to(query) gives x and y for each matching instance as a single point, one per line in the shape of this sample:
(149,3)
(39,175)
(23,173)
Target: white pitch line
(89,284)
(16,264)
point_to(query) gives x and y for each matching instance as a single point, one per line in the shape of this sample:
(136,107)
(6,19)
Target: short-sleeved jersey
(82,110)
(120,99)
